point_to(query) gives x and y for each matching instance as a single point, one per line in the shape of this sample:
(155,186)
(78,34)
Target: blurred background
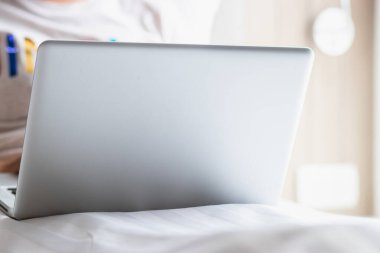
(334,165)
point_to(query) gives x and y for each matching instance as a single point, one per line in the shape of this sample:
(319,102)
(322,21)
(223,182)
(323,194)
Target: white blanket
(223,228)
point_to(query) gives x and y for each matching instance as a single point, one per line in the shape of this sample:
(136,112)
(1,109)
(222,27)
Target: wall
(336,125)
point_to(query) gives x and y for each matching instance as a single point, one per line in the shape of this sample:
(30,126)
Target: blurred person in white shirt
(24,24)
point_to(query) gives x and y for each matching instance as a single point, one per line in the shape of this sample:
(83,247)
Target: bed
(222,228)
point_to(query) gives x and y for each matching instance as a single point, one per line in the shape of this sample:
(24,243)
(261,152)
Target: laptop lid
(129,127)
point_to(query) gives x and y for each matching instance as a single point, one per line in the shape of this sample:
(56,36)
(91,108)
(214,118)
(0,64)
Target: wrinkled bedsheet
(221,228)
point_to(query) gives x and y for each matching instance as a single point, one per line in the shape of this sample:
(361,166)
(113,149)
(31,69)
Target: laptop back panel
(129,127)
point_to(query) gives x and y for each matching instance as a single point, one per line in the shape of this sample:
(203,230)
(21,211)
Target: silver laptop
(130,127)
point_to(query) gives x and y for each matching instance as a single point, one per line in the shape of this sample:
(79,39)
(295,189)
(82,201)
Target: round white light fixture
(334,31)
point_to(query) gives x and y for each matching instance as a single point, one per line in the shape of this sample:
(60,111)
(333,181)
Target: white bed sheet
(222,228)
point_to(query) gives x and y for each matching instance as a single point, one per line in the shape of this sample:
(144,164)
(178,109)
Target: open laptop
(129,127)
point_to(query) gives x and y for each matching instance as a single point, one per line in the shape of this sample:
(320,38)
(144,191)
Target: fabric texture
(222,228)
